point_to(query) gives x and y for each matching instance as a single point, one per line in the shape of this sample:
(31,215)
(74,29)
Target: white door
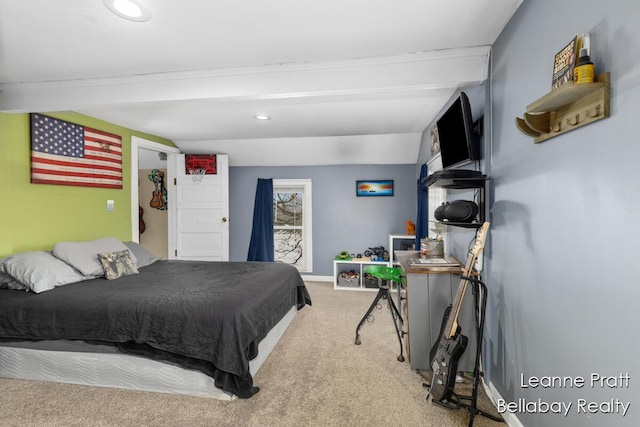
(201,213)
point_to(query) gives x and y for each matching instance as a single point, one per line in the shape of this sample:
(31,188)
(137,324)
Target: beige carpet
(315,376)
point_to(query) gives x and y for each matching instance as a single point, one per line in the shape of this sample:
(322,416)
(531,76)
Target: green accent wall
(36,216)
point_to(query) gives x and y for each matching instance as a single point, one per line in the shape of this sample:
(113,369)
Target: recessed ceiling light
(261,117)
(132,10)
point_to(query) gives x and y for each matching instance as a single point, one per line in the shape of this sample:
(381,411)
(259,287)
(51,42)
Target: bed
(172,326)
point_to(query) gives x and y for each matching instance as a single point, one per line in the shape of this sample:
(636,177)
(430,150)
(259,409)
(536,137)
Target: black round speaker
(457,211)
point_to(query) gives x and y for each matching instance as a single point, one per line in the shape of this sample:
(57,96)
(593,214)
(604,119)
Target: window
(292,223)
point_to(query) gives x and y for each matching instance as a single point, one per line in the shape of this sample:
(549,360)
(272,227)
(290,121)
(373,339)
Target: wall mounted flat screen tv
(458,142)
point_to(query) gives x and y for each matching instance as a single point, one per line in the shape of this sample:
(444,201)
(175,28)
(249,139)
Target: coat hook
(557,128)
(574,122)
(596,114)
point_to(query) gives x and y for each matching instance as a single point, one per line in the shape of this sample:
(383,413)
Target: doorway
(147,157)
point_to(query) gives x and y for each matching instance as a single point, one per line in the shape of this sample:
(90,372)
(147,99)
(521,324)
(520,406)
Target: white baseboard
(317,278)
(494,395)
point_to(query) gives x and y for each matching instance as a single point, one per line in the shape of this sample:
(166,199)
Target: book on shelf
(563,64)
(565,60)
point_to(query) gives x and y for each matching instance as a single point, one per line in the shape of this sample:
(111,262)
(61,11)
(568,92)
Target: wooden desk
(428,293)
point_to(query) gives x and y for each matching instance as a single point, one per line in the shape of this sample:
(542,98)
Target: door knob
(224,219)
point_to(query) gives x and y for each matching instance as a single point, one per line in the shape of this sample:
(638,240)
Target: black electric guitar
(447,351)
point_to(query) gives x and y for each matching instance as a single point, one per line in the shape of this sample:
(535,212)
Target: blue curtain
(261,244)
(422,220)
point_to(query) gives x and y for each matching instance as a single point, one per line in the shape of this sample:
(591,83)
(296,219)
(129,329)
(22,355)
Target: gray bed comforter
(208,316)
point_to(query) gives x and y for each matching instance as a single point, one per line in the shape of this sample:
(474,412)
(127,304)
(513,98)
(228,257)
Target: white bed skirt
(125,371)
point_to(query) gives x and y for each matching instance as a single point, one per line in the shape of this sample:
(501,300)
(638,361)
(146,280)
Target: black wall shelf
(461,180)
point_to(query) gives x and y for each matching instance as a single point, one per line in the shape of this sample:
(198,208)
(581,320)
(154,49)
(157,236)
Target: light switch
(111,205)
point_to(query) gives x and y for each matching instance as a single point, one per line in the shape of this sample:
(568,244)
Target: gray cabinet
(428,295)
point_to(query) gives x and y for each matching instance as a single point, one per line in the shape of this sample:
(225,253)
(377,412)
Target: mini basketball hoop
(197,175)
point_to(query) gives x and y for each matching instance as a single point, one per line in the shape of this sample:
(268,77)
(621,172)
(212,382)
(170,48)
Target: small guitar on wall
(159,199)
(447,351)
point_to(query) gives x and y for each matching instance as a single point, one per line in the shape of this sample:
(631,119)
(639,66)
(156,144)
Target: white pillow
(83,256)
(142,254)
(39,271)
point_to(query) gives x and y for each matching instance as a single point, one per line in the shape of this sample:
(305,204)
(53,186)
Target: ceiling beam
(415,72)
(314,151)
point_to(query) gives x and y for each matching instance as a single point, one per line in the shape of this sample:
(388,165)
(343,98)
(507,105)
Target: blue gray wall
(341,221)
(562,260)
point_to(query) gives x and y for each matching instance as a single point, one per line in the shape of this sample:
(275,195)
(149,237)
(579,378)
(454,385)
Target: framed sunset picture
(369,188)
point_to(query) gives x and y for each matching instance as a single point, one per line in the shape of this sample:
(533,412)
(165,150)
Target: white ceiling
(344,82)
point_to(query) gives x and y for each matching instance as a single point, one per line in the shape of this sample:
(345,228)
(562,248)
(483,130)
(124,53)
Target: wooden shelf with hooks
(566,108)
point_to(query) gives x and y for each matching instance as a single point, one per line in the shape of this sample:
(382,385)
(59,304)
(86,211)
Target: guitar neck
(452,323)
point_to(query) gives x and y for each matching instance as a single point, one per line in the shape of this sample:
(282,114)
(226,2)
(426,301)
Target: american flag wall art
(64,153)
